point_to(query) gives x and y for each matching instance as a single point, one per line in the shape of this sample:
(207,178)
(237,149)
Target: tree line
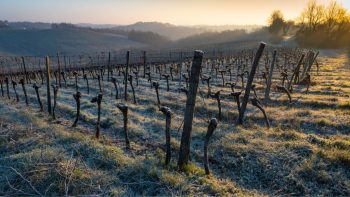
(322,26)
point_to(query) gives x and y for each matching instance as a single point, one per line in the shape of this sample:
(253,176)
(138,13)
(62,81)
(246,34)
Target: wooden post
(250,82)
(269,80)
(185,146)
(59,70)
(48,70)
(126,76)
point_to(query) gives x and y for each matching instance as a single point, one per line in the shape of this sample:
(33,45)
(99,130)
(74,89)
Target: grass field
(306,152)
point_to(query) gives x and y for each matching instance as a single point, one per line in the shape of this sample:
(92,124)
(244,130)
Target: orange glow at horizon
(179,12)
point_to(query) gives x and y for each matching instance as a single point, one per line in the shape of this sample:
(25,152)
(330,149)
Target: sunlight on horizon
(181,12)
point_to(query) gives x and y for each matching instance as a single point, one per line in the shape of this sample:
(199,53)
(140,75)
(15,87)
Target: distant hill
(26,38)
(51,41)
(209,38)
(175,32)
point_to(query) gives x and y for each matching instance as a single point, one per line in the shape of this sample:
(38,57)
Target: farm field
(305,152)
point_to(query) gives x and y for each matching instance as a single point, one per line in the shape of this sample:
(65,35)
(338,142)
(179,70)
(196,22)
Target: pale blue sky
(181,12)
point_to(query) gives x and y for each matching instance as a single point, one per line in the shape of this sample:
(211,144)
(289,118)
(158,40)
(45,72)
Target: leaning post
(185,146)
(250,82)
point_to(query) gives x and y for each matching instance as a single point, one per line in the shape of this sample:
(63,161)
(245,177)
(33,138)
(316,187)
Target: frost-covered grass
(306,152)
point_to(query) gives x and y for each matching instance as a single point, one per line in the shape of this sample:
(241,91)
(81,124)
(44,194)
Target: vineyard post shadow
(250,82)
(185,146)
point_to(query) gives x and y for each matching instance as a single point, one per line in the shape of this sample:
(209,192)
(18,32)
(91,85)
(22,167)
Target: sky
(178,12)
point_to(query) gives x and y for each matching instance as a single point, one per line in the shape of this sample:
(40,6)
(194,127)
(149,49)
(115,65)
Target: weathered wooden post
(211,128)
(124,109)
(38,96)
(269,80)
(22,82)
(55,91)
(98,100)
(126,76)
(48,70)
(185,146)
(77,100)
(250,82)
(167,112)
(167,81)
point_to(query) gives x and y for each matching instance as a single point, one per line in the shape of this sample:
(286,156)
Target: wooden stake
(250,82)
(48,70)
(185,146)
